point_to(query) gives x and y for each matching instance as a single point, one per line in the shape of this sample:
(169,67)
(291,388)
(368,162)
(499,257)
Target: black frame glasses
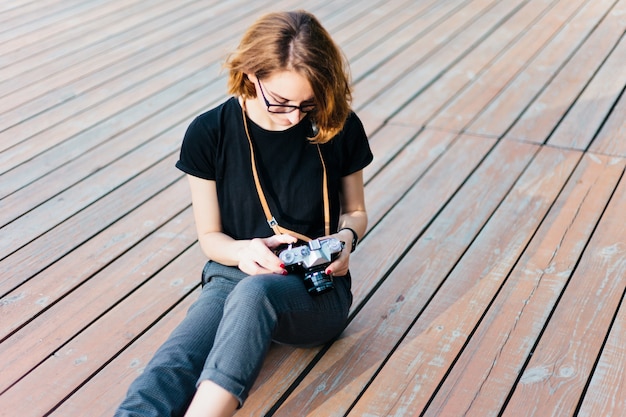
(284,108)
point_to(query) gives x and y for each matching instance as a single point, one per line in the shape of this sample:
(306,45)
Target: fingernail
(328,272)
(282,265)
(285,273)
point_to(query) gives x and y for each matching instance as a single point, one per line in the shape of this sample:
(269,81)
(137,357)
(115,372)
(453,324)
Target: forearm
(354,214)
(252,256)
(356,221)
(222,248)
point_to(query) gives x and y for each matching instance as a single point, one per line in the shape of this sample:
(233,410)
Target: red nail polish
(328,272)
(282,265)
(285,273)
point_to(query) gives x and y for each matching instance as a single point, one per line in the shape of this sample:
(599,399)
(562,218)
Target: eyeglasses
(285,108)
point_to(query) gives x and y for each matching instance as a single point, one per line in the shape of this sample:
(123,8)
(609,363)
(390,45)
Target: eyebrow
(280,98)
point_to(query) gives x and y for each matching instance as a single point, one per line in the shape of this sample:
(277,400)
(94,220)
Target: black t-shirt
(215,147)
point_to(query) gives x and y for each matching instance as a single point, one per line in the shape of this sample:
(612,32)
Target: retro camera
(312,260)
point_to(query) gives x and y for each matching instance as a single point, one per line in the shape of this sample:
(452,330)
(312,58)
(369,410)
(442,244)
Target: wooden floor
(490,282)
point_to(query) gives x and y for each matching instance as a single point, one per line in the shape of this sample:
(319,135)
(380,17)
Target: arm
(251,256)
(353,215)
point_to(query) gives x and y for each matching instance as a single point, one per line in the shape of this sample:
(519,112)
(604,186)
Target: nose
(294,117)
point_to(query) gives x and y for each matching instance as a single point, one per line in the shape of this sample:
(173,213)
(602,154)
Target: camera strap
(271,220)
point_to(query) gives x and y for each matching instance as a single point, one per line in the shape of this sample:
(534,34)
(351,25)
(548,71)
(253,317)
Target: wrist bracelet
(355,238)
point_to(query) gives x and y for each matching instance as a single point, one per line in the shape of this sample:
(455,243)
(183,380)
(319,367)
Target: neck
(257,114)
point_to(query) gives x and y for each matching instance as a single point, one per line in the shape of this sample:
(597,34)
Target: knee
(254,291)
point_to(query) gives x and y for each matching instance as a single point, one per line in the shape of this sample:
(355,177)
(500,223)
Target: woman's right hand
(257,256)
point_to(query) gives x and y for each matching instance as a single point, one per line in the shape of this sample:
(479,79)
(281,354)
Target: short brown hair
(295,41)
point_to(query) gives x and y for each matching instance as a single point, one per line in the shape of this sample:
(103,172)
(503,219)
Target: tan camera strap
(271,220)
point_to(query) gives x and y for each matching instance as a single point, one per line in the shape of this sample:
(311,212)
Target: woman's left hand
(340,266)
(353,217)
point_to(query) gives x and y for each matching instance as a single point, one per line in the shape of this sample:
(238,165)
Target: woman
(277,163)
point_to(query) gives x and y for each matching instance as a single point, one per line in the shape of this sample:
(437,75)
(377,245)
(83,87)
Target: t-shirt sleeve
(356,152)
(197,152)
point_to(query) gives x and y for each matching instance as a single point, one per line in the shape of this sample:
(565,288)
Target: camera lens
(318,282)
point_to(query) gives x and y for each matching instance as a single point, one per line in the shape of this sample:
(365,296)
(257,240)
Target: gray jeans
(227,332)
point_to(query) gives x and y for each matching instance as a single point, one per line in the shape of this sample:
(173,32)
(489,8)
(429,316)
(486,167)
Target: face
(281,88)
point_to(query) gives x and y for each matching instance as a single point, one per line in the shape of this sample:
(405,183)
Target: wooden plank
(47,21)
(76,105)
(279,372)
(385,145)
(364,60)
(589,112)
(95,46)
(137,98)
(15,13)
(358,33)
(555,377)
(90,25)
(335,20)
(433,95)
(105,391)
(187,57)
(388,60)
(461,38)
(395,30)
(58,209)
(87,76)
(403,169)
(389,239)
(612,138)
(129,34)
(413,372)
(14,6)
(189,33)
(91,150)
(467,105)
(344,372)
(113,139)
(58,123)
(384,245)
(505,108)
(83,304)
(485,372)
(70,366)
(541,118)
(57,275)
(606,393)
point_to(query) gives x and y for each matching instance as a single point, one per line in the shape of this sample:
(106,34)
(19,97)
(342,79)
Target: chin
(286,124)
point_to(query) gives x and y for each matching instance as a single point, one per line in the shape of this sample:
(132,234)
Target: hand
(340,266)
(257,256)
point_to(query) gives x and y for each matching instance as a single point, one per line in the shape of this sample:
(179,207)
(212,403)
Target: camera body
(312,259)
